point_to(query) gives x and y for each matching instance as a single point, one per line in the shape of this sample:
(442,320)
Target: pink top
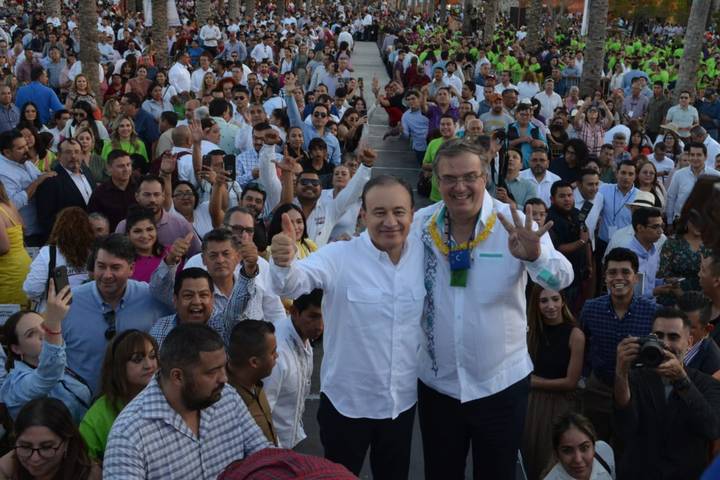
(146,265)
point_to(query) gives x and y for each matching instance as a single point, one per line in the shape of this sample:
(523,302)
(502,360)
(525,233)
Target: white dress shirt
(623,236)
(82,185)
(713,150)
(210,35)
(543,186)
(179,77)
(681,185)
(475,343)
(196,79)
(371,309)
(262,52)
(289,384)
(593,215)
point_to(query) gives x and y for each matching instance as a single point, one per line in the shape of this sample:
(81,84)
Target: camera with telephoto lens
(651,351)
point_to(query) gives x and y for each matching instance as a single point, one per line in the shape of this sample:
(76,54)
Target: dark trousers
(346,441)
(494,424)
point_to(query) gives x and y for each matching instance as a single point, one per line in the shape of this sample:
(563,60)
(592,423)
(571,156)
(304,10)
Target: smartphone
(206,160)
(230,166)
(60,276)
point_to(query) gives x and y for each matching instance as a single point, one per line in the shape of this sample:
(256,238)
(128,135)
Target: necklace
(442,246)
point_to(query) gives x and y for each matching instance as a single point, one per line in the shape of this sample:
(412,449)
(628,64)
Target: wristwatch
(682,384)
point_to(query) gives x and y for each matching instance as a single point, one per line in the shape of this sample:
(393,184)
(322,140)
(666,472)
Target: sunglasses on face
(319,114)
(306,182)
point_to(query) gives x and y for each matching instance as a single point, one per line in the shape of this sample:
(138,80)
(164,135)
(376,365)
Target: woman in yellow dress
(14,259)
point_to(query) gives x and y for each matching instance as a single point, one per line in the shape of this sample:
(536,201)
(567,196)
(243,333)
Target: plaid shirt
(245,163)
(149,440)
(604,331)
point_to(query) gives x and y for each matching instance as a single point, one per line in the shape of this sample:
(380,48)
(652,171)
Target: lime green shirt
(129,148)
(95,427)
(429,158)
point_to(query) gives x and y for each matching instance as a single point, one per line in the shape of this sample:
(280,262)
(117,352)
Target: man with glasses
(474,372)
(606,320)
(110,304)
(683,115)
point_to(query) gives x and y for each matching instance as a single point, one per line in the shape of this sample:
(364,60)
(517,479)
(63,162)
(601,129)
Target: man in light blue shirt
(648,225)
(415,125)
(21,179)
(615,197)
(317,129)
(107,306)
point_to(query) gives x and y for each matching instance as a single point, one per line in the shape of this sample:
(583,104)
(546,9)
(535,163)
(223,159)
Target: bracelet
(48,331)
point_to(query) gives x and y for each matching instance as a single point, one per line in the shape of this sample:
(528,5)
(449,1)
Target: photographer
(571,237)
(666,413)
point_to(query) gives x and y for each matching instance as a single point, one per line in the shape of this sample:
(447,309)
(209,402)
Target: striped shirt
(149,440)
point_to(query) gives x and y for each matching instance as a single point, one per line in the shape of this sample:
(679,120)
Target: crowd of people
(175,244)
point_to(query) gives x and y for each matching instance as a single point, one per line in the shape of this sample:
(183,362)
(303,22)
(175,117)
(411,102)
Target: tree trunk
(595,48)
(250,8)
(467,17)
(491,11)
(280,9)
(52,8)
(131,7)
(202,12)
(443,10)
(89,53)
(159,32)
(694,33)
(533,18)
(233,9)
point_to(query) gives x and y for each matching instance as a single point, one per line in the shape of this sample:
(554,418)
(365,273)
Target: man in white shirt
(179,75)
(289,384)
(587,191)
(683,180)
(549,100)
(474,363)
(199,74)
(210,34)
(623,236)
(539,174)
(373,290)
(700,135)
(505,83)
(263,50)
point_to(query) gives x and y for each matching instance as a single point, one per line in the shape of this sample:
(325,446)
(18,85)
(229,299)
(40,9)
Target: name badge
(459,260)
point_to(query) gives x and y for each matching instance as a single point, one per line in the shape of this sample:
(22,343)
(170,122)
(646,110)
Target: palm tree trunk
(52,8)
(491,11)
(467,17)
(533,19)
(595,48)
(89,53)
(443,10)
(694,33)
(159,32)
(233,9)
(250,8)
(131,7)
(202,11)
(281,8)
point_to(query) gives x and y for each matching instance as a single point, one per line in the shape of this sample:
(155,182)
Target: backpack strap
(602,462)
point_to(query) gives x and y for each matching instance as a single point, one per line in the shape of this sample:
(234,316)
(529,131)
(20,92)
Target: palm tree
(595,47)
(281,8)
(250,8)
(52,8)
(159,32)
(491,10)
(467,16)
(443,10)
(233,9)
(89,53)
(533,20)
(202,11)
(694,33)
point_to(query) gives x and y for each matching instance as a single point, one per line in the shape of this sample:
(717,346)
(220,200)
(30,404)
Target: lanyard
(625,200)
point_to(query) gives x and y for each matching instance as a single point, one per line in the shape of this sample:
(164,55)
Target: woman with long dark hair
(556,347)
(305,246)
(141,229)
(29,115)
(82,111)
(129,365)
(47,445)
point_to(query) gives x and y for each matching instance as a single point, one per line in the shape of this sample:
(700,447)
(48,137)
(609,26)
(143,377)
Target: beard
(195,401)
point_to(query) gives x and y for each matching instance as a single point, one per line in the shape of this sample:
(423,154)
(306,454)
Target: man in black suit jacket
(71,187)
(704,354)
(667,416)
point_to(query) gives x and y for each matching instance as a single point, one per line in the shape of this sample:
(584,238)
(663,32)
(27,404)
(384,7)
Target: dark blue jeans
(494,424)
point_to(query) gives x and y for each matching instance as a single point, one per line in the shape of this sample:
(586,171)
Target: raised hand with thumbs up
(367,156)
(178,249)
(249,254)
(283,244)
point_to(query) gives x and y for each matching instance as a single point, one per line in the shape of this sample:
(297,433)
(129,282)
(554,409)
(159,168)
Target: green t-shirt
(95,427)
(429,158)
(138,147)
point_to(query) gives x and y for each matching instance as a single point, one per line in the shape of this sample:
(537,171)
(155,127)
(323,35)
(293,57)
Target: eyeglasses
(110,320)
(658,226)
(467,179)
(309,181)
(47,452)
(239,229)
(319,114)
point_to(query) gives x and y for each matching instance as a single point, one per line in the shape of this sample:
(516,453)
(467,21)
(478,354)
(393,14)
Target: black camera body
(651,352)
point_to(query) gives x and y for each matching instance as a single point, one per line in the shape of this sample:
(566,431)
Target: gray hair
(458,146)
(201,113)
